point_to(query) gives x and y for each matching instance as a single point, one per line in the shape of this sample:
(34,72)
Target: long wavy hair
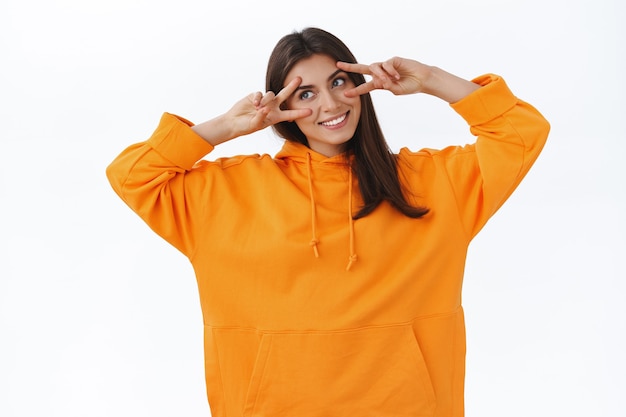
(375,166)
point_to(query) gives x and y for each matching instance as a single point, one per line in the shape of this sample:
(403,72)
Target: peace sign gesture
(406,76)
(254,112)
(398,75)
(257,110)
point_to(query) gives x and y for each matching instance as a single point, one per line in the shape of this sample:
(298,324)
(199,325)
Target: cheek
(303,124)
(356,105)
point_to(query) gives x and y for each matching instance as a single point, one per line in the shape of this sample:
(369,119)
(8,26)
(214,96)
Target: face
(335,117)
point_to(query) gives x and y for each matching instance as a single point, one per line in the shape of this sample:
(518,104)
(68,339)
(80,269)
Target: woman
(330,275)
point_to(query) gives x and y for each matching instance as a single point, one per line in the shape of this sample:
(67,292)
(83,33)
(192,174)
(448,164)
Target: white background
(100,317)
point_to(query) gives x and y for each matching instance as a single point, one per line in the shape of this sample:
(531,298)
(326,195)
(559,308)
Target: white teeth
(336,121)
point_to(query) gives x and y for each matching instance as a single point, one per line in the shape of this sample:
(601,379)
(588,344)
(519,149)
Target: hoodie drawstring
(314,240)
(353,257)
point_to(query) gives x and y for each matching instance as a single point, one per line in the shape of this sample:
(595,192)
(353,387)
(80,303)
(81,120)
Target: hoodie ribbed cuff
(174,140)
(488,102)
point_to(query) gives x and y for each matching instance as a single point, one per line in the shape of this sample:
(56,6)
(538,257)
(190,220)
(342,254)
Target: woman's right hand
(254,112)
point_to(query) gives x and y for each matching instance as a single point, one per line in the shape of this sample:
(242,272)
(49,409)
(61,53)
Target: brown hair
(375,164)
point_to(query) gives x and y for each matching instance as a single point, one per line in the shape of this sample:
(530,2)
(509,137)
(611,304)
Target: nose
(328,101)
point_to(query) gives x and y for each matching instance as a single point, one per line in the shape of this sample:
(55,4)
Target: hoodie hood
(298,152)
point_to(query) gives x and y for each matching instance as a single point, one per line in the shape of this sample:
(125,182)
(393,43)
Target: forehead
(313,68)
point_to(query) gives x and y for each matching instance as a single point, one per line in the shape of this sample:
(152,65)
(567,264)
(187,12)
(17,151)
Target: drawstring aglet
(351,262)
(314,243)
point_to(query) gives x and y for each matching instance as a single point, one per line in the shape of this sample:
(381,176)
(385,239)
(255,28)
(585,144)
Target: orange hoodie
(308,313)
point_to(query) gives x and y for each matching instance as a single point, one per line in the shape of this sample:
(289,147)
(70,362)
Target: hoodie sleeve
(159,180)
(510,135)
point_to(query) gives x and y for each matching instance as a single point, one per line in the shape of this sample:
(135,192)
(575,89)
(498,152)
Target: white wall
(99,317)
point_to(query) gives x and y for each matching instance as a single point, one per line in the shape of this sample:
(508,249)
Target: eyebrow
(330,77)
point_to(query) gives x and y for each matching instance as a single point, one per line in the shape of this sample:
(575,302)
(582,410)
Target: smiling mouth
(336,121)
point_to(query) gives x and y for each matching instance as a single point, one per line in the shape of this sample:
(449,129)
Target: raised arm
(510,133)
(160,178)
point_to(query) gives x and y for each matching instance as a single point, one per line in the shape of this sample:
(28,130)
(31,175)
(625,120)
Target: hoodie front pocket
(370,372)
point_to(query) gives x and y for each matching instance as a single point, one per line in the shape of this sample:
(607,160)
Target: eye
(305,95)
(338,82)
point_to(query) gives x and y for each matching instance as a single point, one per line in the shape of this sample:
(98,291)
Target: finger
(259,120)
(379,72)
(360,89)
(358,68)
(292,115)
(256,98)
(267,98)
(385,75)
(288,90)
(390,69)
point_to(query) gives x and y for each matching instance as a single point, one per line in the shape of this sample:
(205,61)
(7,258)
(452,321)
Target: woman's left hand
(406,76)
(398,75)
